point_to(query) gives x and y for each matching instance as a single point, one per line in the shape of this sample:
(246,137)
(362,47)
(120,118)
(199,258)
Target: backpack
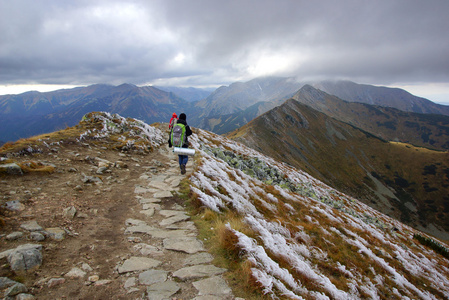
(178,135)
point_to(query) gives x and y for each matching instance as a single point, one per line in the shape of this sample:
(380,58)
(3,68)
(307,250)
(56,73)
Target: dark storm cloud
(215,42)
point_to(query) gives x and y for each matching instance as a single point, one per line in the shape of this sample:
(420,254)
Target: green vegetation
(432,244)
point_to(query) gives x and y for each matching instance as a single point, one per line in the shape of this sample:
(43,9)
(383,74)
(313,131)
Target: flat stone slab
(162,290)
(158,185)
(215,286)
(159,178)
(147,250)
(175,182)
(198,259)
(163,234)
(174,219)
(149,200)
(151,206)
(210,297)
(148,212)
(31,226)
(142,190)
(182,225)
(162,194)
(198,271)
(144,177)
(138,264)
(142,228)
(184,244)
(170,213)
(152,276)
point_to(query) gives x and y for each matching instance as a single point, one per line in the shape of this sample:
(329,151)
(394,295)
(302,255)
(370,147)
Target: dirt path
(130,238)
(181,267)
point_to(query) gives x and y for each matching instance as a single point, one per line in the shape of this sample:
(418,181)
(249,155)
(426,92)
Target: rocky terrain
(103,224)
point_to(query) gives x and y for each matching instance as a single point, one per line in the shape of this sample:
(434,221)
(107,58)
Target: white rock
(75,273)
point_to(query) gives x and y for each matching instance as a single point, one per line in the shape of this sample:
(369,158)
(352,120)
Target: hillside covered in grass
(281,233)
(406,182)
(285,234)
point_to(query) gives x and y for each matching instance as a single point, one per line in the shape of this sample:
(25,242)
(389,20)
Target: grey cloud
(83,42)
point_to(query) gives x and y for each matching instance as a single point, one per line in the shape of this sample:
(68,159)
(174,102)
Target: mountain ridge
(425,130)
(384,175)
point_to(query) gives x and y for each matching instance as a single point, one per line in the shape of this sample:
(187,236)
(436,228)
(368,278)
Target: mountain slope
(408,183)
(296,238)
(425,130)
(279,232)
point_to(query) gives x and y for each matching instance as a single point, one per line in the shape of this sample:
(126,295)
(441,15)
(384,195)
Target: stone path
(167,260)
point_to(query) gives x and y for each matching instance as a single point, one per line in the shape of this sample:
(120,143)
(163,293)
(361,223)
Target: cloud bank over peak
(210,43)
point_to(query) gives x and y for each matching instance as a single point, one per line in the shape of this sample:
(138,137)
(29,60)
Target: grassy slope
(313,243)
(356,162)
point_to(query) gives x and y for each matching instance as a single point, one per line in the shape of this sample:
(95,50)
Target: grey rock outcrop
(25,257)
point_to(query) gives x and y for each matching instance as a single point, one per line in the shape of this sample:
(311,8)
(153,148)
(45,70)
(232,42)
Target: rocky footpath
(168,260)
(106,225)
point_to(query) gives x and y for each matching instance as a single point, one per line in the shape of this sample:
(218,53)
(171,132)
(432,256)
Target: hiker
(178,138)
(172,121)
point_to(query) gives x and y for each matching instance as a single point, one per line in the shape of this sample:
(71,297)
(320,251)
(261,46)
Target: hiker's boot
(183,169)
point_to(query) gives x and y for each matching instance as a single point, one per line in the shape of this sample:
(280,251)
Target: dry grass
(222,243)
(36,167)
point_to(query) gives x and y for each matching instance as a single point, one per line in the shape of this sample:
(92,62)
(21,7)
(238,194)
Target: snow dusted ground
(309,240)
(398,266)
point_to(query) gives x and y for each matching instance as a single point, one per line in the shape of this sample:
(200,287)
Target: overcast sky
(402,43)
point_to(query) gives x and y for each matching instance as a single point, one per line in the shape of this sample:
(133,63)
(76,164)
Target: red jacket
(172,121)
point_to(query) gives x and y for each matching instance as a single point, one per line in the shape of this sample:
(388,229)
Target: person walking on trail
(172,121)
(178,138)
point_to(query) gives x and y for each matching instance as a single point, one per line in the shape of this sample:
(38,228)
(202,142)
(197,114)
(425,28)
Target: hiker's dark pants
(183,159)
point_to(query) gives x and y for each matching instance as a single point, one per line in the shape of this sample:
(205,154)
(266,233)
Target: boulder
(15,205)
(11,169)
(25,257)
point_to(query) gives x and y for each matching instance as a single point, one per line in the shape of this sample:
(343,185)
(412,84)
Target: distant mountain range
(340,132)
(220,111)
(230,107)
(33,113)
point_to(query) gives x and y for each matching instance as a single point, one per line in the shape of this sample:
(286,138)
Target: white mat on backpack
(184,151)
